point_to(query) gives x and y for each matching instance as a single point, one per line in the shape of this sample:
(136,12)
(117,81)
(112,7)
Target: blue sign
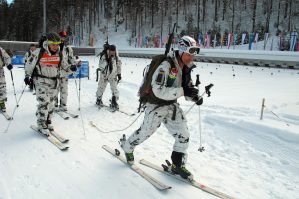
(251,38)
(18,60)
(82,71)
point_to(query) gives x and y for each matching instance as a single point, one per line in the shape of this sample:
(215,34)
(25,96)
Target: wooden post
(263,107)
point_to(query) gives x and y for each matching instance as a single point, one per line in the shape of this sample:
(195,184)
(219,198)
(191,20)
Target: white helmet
(188,45)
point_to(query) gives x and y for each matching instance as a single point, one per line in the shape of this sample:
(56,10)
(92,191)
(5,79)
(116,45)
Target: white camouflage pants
(46,92)
(2,85)
(153,118)
(62,92)
(102,86)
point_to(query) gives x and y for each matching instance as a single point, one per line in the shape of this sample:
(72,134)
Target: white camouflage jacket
(4,58)
(116,67)
(167,81)
(71,60)
(50,72)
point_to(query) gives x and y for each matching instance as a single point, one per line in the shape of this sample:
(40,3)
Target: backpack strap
(40,54)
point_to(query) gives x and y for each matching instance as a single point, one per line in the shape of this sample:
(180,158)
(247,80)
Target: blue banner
(18,60)
(82,71)
(251,38)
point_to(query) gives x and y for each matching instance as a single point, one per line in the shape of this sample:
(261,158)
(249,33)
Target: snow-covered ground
(245,157)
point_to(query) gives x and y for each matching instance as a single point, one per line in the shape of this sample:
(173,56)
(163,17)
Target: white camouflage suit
(27,57)
(171,115)
(109,76)
(4,61)
(63,80)
(46,80)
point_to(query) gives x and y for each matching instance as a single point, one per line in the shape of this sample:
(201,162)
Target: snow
(244,156)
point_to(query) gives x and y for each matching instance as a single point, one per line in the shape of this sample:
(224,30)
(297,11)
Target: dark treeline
(23,19)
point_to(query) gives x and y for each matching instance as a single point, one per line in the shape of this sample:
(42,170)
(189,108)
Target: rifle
(104,52)
(169,42)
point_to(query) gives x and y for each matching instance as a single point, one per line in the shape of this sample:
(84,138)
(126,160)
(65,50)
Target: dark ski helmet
(112,48)
(53,38)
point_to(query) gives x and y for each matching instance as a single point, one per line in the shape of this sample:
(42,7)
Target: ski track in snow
(244,157)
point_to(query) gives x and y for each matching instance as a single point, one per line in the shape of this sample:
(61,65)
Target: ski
(73,115)
(159,185)
(59,137)
(112,110)
(6,115)
(62,115)
(51,138)
(191,182)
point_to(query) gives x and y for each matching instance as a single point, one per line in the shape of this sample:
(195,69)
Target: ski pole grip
(207,88)
(197,80)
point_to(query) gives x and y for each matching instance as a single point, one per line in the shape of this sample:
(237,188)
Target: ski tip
(65,148)
(65,141)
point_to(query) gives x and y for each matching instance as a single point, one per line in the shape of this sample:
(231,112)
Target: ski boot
(63,107)
(99,102)
(129,155)
(114,106)
(2,106)
(182,171)
(43,129)
(177,166)
(49,125)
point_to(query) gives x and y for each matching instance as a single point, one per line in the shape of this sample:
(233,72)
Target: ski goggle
(193,50)
(54,42)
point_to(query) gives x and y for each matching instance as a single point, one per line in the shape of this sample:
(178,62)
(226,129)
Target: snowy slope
(244,157)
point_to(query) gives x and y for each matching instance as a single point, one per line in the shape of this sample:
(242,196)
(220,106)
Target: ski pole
(15,108)
(79,89)
(201,148)
(79,99)
(14,89)
(207,91)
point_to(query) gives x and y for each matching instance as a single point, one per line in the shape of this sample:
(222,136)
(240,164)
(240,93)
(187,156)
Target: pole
(79,98)
(262,110)
(201,148)
(14,90)
(45,22)
(10,121)
(79,89)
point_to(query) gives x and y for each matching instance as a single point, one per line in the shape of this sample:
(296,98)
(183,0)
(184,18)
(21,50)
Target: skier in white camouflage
(44,67)
(5,60)
(62,91)
(27,56)
(170,80)
(110,68)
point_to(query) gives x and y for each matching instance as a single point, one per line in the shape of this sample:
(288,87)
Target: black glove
(191,92)
(27,80)
(119,77)
(73,68)
(9,66)
(197,100)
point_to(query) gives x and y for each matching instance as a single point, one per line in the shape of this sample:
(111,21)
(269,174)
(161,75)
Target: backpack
(145,91)
(2,58)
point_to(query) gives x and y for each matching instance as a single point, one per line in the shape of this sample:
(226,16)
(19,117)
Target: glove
(119,77)
(79,64)
(198,101)
(191,92)
(27,80)
(9,66)
(73,68)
